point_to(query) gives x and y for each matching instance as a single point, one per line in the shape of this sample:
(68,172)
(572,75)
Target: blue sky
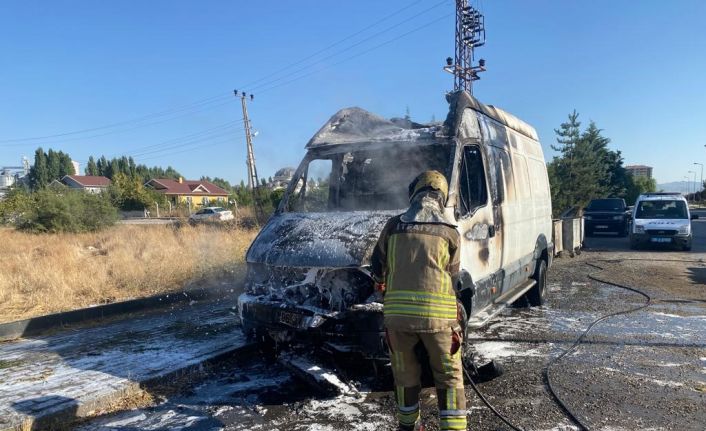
(634,67)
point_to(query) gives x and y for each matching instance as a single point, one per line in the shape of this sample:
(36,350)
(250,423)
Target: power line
(199,136)
(358,54)
(348,48)
(194,106)
(113,132)
(204,103)
(228,132)
(210,144)
(226,125)
(340,41)
(210,100)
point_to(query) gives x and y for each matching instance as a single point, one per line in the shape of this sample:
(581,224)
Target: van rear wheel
(535,296)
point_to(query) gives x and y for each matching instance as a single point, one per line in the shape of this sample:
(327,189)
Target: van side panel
(524,213)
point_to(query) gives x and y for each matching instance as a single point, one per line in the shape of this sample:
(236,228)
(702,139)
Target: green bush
(129,194)
(67,210)
(17,202)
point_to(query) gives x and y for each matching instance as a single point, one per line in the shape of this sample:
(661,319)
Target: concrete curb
(64,418)
(37,325)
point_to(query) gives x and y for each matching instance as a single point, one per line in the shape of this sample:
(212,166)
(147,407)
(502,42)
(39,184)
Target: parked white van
(661,219)
(308,269)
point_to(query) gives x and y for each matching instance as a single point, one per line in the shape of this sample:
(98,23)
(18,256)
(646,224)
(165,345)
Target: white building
(282,178)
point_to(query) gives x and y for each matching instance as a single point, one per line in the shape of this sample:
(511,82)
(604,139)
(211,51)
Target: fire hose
(547,369)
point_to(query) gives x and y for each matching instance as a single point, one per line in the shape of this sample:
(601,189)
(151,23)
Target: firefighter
(415,263)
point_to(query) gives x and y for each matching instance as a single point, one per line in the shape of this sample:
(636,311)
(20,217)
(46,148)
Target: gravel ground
(645,370)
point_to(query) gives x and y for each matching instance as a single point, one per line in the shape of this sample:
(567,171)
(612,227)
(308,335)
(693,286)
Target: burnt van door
(477,225)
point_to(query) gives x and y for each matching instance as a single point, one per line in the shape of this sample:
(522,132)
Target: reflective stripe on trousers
(447,371)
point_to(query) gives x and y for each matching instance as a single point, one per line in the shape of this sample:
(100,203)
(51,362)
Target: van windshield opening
(366,179)
(661,210)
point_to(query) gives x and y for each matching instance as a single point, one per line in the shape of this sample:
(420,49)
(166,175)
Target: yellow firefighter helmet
(434,180)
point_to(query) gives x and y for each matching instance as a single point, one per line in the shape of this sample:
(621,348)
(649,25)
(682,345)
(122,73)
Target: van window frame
(330,151)
(459,199)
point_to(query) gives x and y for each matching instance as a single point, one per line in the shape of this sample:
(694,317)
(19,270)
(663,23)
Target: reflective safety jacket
(417,262)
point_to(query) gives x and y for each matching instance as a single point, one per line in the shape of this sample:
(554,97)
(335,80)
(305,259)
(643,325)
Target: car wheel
(633,244)
(535,296)
(687,246)
(624,232)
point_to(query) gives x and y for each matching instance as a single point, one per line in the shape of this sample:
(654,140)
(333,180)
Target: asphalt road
(643,370)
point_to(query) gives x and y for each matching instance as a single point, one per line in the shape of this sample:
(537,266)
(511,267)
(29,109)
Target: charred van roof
(356,125)
(460,101)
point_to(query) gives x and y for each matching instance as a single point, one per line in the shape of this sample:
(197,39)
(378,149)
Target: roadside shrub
(67,210)
(17,202)
(129,194)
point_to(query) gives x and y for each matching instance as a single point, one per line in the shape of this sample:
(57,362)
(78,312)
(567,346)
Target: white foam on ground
(667,383)
(667,315)
(500,349)
(346,408)
(322,375)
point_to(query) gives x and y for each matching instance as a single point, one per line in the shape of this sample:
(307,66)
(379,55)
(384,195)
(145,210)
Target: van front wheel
(535,296)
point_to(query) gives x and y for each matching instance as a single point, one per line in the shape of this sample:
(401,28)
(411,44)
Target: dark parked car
(607,215)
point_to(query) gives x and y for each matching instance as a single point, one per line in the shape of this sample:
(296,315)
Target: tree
(39,173)
(18,201)
(53,165)
(66,165)
(586,168)
(127,166)
(220,182)
(103,166)
(638,186)
(92,167)
(128,193)
(561,169)
(568,134)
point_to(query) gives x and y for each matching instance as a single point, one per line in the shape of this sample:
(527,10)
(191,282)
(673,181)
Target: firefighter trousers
(445,362)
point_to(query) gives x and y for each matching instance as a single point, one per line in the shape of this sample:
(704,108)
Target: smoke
(373,178)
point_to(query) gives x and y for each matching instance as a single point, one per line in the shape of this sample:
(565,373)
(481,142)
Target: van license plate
(291,319)
(661,240)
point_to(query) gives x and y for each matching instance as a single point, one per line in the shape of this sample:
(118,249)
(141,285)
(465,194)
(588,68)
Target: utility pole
(687,186)
(470,34)
(701,184)
(252,170)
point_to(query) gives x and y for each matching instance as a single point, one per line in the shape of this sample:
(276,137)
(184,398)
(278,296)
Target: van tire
(535,296)
(687,246)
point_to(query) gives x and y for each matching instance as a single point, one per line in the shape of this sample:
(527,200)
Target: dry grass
(41,274)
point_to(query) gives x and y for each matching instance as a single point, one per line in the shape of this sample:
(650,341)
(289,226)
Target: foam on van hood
(321,240)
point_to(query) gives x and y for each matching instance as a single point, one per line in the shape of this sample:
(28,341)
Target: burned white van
(308,270)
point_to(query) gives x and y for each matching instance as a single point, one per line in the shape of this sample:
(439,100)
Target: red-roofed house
(89,183)
(187,192)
